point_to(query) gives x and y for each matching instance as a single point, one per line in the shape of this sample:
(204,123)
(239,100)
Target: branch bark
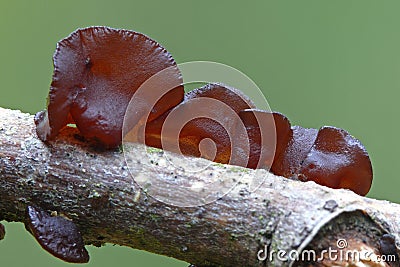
(97,191)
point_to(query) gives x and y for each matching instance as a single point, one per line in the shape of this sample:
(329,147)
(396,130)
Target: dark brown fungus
(288,162)
(338,160)
(96,72)
(202,124)
(2,231)
(57,235)
(268,134)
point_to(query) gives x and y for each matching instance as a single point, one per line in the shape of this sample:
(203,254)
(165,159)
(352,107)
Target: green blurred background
(319,62)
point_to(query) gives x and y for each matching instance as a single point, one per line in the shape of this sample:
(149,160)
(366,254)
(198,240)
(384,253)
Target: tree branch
(96,190)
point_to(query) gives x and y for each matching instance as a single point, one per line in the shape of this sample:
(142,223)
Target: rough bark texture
(97,191)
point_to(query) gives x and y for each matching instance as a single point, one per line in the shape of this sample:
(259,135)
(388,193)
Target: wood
(96,190)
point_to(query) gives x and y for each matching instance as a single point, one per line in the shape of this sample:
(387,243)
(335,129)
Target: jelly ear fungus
(329,156)
(207,113)
(268,134)
(96,72)
(57,235)
(99,70)
(338,160)
(288,163)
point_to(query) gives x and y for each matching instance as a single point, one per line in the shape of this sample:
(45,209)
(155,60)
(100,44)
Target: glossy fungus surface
(288,163)
(102,74)
(202,125)
(338,160)
(268,134)
(57,235)
(96,72)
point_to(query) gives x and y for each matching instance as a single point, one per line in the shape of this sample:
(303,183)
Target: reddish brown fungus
(57,235)
(288,163)
(101,74)
(202,124)
(96,72)
(338,160)
(268,134)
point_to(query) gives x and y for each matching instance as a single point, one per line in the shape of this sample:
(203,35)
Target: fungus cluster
(98,71)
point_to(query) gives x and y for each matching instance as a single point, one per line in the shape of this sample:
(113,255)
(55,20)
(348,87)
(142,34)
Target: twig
(96,190)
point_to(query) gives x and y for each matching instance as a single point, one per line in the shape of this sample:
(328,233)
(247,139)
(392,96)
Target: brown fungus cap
(268,134)
(207,113)
(96,72)
(57,235)
(288,162)
(338,160)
